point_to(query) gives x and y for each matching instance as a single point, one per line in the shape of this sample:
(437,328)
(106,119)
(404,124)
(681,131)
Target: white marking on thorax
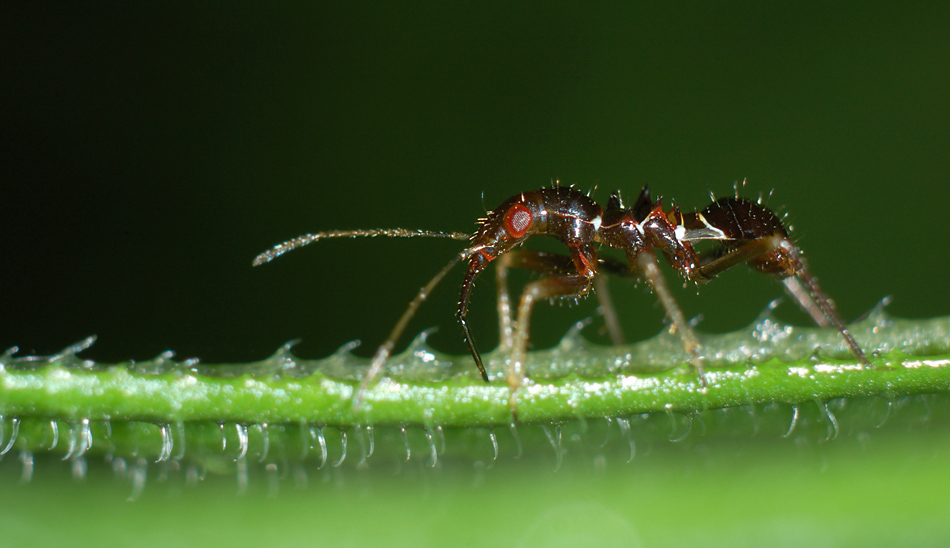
(679,232)
(722,235)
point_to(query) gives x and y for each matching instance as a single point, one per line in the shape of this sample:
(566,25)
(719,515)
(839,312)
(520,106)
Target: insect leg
(384,351)
(650,268)
(553,263)
(800,293)
(619,269)
(479,260)
(584,259)
(506,337)
(566,285)
(608,311)
(798,281)
(713,265)
(818,297)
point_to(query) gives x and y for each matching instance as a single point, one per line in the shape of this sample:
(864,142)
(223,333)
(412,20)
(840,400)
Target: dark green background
(149,153)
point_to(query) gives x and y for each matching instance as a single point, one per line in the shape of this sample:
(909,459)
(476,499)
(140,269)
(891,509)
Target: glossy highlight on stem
(768,362)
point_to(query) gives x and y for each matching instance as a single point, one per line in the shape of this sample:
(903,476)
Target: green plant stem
(573,380)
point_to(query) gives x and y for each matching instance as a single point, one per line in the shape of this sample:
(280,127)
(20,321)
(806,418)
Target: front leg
(584,259)
(537,261)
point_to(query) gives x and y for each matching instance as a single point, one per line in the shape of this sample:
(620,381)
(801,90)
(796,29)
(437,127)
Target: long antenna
(301,241)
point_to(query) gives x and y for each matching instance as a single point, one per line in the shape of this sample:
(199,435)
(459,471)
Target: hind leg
(798,281)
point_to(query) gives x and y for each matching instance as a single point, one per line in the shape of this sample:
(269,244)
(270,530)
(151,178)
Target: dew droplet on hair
(242,442)
(265,441)
(26,460)
(887,413)
(494,445)
(830,417)
(433,454)
(624,424)
(139,475)
(167,442)
(180,444)
(555,440)
(224,437)
(686,430)
(273,480)
(54,429)
(14,432)
(514,434)
(405,441)
(342,458)
(372,441)
(79,467)
(791,427)
(607,429)
(241,472)
(316,432)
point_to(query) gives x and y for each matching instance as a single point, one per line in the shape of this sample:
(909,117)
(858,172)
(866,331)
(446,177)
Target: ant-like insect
(745,231)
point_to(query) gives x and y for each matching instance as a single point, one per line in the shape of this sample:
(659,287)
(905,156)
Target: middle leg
(551,263)
(650,268)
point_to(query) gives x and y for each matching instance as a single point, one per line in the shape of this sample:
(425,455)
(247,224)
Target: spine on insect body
(736,221)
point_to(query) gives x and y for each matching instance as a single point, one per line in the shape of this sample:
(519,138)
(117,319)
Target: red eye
(517,220)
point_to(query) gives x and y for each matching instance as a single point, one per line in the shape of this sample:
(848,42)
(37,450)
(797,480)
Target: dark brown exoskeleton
(748,232)
(562,213)
(745,231)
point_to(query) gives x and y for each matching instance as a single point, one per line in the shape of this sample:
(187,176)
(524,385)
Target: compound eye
(517,220)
